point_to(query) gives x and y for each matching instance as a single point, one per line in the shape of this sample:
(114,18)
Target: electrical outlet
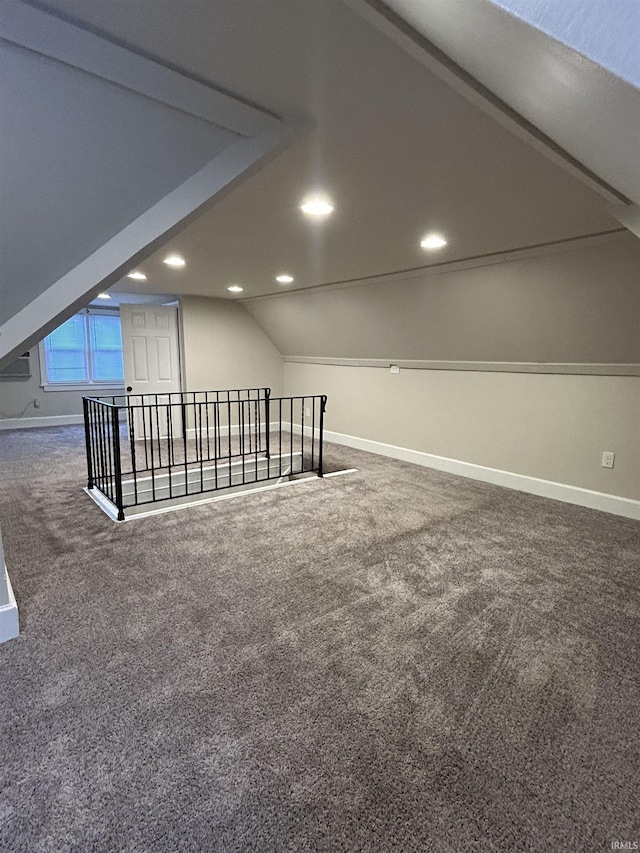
(395,368)
(608,458)
(307,412)
(36,404)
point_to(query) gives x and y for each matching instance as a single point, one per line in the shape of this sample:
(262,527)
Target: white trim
(133,515)
(88,389)
(521,482)
(44,421)
(628,214)
(9,621)
(45,33)
(560,368)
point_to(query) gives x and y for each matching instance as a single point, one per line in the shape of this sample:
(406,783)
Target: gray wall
(223,347)
(579,306)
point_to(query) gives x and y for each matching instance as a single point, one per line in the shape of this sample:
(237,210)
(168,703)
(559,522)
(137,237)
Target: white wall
(223,347)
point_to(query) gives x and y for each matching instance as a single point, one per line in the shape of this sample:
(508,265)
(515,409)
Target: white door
(150,347)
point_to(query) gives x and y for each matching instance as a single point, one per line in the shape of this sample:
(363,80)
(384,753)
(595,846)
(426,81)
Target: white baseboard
(9,624)
(545,488)
(45,421)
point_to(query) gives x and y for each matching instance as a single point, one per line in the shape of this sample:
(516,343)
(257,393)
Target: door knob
(129,389)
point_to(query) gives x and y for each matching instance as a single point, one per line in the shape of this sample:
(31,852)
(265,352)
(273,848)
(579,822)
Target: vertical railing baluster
(215,443)
(94,443)
(313,432)
(153,460)
(103,463)
(169,447)
(144,433)
(132,449)
(267,417)
(280,436)
(217,411)
(258,424)
(107,452)
(229,436)
(115,428)
(98,480)
(323,404)
(206,411)
(186,470)
(87,442)
(302,434)
(112,461)
(256,443)
(200,439)
(157,410)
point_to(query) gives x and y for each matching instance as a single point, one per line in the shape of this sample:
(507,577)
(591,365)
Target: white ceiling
(400,152)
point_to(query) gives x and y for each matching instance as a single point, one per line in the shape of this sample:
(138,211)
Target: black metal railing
(148,448)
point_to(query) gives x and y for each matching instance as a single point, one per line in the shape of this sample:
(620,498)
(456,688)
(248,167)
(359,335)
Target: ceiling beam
(48,35)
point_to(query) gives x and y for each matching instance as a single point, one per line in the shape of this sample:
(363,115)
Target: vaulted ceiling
(399,150)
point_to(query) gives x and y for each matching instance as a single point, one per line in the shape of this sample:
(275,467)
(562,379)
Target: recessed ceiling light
(235,288)
(317,206)
(175,261)
(103,296)
(433,241)
(136,275)
(284,278)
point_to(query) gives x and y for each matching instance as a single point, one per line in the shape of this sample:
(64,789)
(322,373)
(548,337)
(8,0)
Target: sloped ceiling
(398,149)
(587,109)
(103,154)
(87,158)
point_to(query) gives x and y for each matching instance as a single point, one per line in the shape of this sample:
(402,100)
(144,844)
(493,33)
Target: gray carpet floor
(392,660)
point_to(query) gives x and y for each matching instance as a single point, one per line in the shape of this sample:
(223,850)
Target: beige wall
(570,306)
(223,347)
(548,426)
(578,306)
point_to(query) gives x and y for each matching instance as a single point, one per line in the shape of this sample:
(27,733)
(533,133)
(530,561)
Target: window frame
(84,385)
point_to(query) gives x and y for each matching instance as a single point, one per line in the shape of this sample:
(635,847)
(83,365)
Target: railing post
(267,414)
(323,404)
(87,441)
(115,430)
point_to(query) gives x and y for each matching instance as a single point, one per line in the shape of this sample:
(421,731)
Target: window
(86,350)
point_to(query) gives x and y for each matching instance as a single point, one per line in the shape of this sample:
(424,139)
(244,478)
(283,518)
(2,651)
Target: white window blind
(86,349)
